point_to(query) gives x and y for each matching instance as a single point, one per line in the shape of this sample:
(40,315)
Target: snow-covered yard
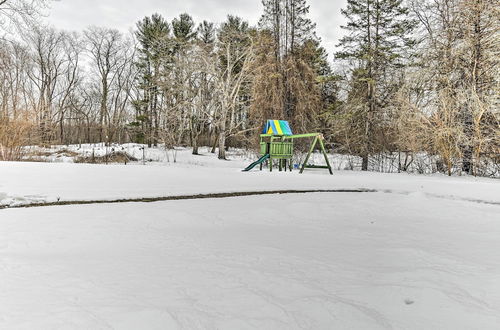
(26,182)
(421,253)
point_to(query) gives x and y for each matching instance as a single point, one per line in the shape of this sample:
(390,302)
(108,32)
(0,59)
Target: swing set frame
(280,147)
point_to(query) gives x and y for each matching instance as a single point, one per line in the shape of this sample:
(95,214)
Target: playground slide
(259,161)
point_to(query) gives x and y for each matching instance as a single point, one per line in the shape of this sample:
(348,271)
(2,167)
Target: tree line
(410,78)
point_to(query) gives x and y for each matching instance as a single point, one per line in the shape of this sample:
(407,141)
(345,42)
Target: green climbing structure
(276,143)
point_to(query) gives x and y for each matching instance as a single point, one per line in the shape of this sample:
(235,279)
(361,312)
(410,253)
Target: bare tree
(69,82)
(50,65)
(479,66)
(459,65)
(230,79)
(17,12)
(111,60)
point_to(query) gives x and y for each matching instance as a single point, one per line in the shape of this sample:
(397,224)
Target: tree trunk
(61,129)
(467,159)
(194,142)
(214,144)
(364,164)
(222,132)
(222,145)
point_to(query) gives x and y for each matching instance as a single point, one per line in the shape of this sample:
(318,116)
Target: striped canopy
(277,127)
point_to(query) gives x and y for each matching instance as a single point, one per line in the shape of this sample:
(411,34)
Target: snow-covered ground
(316,261)
(24,183)
(422,253)
(419,163)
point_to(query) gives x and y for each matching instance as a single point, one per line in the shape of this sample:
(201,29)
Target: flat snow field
(316,261)
(25,183)
(422,253)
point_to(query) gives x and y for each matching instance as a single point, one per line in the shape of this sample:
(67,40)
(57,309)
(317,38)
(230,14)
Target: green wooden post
(325,155)
(309,154)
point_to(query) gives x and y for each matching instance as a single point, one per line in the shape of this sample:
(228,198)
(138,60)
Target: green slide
(260,161)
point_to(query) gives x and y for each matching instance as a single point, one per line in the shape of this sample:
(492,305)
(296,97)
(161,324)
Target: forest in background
(410,78)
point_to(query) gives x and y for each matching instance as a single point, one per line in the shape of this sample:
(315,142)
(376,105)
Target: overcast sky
(123,14)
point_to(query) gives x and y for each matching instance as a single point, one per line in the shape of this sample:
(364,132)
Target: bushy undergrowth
(113,157)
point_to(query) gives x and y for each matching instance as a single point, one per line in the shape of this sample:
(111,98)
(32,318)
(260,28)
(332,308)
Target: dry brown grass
(14,134)
(114,157)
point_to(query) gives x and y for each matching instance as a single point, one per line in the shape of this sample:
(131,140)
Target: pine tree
(206,33)
(233,33)
(153,35)
(184,28)
(378,36)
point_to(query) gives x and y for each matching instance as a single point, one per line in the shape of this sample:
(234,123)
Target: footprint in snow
(408,301)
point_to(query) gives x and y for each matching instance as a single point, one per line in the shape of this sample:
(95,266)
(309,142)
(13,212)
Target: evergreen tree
(153,35)
(378,36)
(233,38)
(184,28)
(206,33)
(181,82)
